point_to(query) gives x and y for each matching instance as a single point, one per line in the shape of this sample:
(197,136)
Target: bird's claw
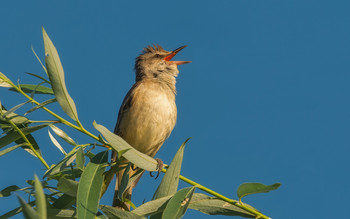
(159,167)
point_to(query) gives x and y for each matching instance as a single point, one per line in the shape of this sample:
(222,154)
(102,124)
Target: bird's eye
(157,56)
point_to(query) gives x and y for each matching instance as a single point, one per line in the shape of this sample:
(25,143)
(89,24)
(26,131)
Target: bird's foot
(159,167)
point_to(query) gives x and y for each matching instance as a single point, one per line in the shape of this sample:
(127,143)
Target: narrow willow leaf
(152,207)
(178,204)
(89,188)
(253,188)
(15,118)
(13,109)
(13,136)
(124,182)
(215,206)
(65,201)
(28,211)
(38,76)
(68,186)
(61,213)
(7,150)
(55,142)
(40,200)
(80,161)
(38,89)
(7,191)
(170,181)
(56,76)
(141,160)
(4,81)
(46,102)
(63,135)
(37,57)
(61,165)
(112,212)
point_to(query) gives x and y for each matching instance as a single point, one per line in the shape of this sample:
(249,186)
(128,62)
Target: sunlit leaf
(170,181)
(113,212)
(37,57)
(4,81)
(152,207)
(40,200)
(55,142)
(46,102)
(61,165)
(141,160)
(56,76)
(63,135)
(61,213)
(89,188)
(68,186)
(178,204)
(13,136)
(253,188)
(13,109)
(29,88)
(215,206)
(15,118)
(7,150)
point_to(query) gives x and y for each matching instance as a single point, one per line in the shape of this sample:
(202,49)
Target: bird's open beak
(172,54)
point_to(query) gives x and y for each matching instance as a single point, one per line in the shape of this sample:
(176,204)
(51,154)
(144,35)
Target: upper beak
(172,54)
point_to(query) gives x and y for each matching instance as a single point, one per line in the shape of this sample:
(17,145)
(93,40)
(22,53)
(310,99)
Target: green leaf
(13,136)
(15,118)
(38,89)
(61,213)
(7,150)
(65,201)
(38,76)
(253,188)
(89,188)
(80,161)
(215,206)
(7,191)
(55,142)
(40,200)
(63,135)
(4,81)
(141,160)
(13,109)
(68,186)
(124,182)
(61,165)
(178,204)
(152,207)
(112,212)
(56,76)
(170,181)
(28,211)
(37,57)
(46,102)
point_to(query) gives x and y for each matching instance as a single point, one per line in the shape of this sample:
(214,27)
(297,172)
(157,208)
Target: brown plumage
(148,113)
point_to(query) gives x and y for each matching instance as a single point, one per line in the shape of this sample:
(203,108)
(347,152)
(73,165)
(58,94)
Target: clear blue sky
(266,98)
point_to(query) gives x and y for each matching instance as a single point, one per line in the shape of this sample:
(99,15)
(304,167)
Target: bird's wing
(127,102)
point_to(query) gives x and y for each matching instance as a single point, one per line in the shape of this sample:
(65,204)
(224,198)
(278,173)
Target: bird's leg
(159,167)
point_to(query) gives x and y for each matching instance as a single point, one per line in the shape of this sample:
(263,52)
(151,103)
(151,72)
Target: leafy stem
(222,197)
(28,143)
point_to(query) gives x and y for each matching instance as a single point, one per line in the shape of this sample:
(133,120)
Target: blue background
(266,98)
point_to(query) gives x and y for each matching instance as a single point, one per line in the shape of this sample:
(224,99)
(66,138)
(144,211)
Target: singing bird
(148,113)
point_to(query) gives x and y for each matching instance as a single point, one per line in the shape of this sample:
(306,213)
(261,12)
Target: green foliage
(73,187)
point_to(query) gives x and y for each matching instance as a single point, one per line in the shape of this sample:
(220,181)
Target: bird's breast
(150,118)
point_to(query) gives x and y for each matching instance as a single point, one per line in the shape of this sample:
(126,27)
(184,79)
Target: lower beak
(172,54)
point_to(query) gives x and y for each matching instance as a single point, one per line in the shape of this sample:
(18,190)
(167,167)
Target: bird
(148,113)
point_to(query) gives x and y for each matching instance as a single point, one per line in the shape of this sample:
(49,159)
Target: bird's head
(156,62)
